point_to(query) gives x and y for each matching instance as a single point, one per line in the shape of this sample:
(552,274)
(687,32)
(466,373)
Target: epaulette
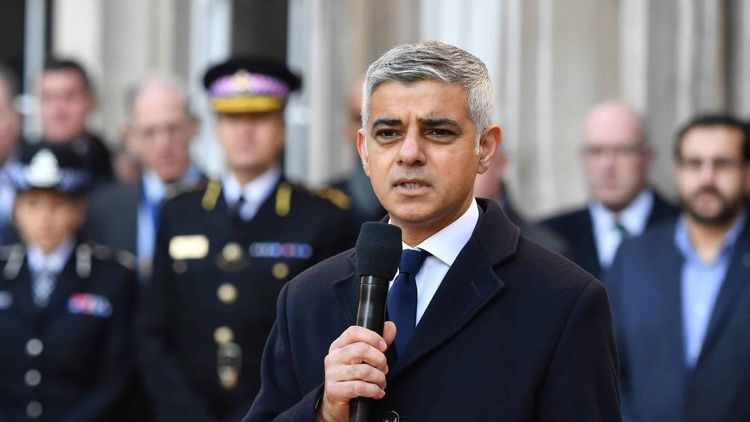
(6,250)
(337,197)
(176,189)
(211,194)
(13,255)
(105,253)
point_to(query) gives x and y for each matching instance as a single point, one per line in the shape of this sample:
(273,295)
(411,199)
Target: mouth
(411,186)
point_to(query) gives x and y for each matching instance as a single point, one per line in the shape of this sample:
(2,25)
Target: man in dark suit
(493,327)
(66,306)
(10,137)
(680,293)
(615,159)
(66,101)
(225,249)
(159,132)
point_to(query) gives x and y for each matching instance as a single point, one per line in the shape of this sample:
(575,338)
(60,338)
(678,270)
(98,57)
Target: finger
(356,334)
(347,390)
(389,332)
(355,354)
(360,372)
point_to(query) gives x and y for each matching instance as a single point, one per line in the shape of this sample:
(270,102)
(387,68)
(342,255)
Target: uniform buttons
(32,377)
(223,335)
(179,267)
(34,347)
(34,409)
(280,270)
(227,293)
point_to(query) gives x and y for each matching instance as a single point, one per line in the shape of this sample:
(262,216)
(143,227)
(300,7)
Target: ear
(489,144)
(362,150)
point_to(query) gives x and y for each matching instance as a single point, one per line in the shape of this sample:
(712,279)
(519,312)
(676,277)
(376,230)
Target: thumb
(389,332)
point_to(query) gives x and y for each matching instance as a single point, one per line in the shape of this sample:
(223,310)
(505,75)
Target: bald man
(10,135)
(158,132)
(616,158)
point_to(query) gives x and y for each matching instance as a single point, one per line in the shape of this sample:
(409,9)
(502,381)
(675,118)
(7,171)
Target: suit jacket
(115,203)
(645,287)
(73,357)
(209,307)
(536,232)
(514,333)
(577,229)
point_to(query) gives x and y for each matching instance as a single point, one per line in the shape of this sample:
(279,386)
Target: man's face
(46,218)
(10,124)
(65,105)
(711,175)
(161,131)
(420,154)
(252,142)
(615,157)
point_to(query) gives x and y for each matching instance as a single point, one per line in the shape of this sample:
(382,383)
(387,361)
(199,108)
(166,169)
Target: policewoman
(65,306)
(225,250)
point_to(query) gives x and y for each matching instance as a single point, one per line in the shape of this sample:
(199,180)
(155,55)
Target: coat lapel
(468,287)
(735,285)
(20,288)
(65,285)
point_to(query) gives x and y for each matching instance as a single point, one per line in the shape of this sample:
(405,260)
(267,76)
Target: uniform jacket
(644,285)
(114,203)
(71,360)
(513,333)
(577,229)
(211,302)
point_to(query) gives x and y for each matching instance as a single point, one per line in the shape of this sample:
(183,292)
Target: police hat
(249,85)
(50,167)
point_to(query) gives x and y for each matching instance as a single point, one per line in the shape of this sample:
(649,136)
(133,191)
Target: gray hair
(434,60)
(168,80)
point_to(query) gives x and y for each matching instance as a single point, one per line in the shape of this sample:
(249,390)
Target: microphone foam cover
(378,250)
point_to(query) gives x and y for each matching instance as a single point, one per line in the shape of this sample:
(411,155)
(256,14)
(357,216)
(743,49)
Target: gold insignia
(188,247)
(213,189)
(283,199)
(336,197)
(227,293)
(232,252)
(223,335)
(228,377)
(280,270)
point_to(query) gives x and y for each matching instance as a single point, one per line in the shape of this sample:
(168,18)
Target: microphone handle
(371,315)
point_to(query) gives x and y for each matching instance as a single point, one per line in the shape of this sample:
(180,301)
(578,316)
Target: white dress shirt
(255,191)
(606,235)
(54,262)
(443,246)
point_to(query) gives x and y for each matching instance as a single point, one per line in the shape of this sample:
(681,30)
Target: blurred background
(551,60)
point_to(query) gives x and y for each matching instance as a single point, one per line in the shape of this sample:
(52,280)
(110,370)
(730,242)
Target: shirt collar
(634,217)
(446,244)
(155,189)
(55,261)
(254,191)
(685,245)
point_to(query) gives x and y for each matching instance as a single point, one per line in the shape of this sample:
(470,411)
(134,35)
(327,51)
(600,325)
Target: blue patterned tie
(402,298)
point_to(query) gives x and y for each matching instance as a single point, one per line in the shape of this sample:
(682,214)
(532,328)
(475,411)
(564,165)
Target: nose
(411,153)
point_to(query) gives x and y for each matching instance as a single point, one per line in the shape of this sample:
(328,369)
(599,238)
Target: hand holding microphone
(356,366)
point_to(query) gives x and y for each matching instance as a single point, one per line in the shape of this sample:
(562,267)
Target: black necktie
(235,210)
(402,298)
(624,233)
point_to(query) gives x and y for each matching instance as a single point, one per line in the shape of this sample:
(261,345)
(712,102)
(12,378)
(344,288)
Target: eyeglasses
(719,165)
(596,152)
(170,131)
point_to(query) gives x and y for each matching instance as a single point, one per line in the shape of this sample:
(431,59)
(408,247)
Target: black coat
(644,283)
(80,343)
(513,333)
(213,293)
(577,229)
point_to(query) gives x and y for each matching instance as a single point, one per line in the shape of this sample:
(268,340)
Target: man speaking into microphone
(488,325)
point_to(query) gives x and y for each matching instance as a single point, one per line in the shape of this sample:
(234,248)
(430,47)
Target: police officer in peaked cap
(224,251)
(66,306)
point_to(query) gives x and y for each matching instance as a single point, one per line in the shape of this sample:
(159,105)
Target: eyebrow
(386,121)
(439,121)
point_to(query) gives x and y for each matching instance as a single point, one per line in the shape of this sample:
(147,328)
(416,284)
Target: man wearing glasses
(680,294)
(615,159)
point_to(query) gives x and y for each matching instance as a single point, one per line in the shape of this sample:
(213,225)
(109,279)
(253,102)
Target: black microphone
(378,254)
